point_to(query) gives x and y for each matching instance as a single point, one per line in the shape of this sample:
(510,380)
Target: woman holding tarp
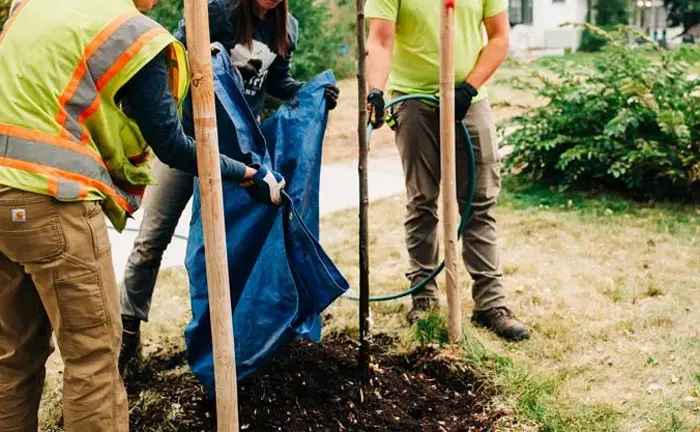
(260,37)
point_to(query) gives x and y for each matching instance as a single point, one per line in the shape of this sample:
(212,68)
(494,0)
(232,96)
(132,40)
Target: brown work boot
(421,309)
(501,321)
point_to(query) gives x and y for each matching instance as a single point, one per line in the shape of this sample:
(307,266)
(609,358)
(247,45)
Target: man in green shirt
(404,48)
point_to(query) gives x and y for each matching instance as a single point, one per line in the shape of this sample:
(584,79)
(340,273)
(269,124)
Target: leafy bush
(685,13)
(608,15)
(591,41)
(611,12)
(168,13)
(629,120)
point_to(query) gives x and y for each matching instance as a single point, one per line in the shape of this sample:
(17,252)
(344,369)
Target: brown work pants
(56,273)
(418,140)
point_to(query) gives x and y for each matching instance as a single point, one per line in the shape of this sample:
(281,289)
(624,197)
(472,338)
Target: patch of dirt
(316,387)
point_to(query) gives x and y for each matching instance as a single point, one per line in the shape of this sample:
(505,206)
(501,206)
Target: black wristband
(374,91)
(471,91)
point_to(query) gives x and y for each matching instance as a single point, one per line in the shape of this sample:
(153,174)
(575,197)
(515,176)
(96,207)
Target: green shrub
(608,15)
(611,12)
(168,13)
(629,121)
(591,41)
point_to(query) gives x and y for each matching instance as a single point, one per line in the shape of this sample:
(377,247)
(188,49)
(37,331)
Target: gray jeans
(162,207)
(418,140)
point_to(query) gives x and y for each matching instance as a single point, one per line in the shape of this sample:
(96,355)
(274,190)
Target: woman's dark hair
(243,20)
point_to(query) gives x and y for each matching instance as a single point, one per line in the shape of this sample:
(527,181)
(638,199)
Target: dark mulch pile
(311,387)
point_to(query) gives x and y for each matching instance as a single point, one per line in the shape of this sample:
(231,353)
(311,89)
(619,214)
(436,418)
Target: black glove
(375,108)
(265,186)
(464,93)
(332,93)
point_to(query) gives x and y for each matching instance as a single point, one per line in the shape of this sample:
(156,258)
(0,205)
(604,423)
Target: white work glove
(265,186)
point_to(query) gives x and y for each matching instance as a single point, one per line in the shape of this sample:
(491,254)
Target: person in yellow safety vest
(88,88)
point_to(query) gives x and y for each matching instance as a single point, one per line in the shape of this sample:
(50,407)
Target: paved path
(339,190)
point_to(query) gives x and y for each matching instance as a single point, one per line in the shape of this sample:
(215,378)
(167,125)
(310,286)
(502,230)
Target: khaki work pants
(418,141)
(56,274)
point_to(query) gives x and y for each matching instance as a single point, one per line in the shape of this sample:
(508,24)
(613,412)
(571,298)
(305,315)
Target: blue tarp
(280,277)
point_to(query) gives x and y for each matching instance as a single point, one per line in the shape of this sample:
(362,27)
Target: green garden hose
(465,214)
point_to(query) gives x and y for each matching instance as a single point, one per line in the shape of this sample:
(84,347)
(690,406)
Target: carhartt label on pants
(19,215)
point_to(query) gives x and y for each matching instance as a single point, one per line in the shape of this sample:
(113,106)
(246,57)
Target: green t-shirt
(416,59)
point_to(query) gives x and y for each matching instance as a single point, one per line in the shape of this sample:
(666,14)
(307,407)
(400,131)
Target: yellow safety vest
(61,132)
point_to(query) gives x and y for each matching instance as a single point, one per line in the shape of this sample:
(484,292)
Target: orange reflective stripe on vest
(173,73)
(103,58)
(68,169)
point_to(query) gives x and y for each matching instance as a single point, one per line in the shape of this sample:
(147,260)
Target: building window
(520,12)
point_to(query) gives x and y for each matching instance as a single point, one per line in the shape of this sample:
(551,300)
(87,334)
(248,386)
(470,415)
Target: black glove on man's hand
(265,186)
(375,108)
(464,93)
(332,93)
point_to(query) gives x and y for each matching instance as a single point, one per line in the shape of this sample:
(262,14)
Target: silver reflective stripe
(14,7)
(98,64)
(117,44)
(84,96)
(68,189)
(64,159)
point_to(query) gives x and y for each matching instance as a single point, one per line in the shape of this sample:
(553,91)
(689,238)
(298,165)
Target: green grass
(432,329)
(520,194)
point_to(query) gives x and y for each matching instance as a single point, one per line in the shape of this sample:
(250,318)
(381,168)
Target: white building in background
(536,24)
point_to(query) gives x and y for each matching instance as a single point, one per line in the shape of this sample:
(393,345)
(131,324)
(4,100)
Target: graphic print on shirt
(253,64)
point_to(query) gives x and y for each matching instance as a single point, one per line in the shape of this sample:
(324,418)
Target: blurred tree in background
(606,14)
(685,13)
(168,13)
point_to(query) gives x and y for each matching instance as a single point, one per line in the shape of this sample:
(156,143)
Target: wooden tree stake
(212,208)
(449,173)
